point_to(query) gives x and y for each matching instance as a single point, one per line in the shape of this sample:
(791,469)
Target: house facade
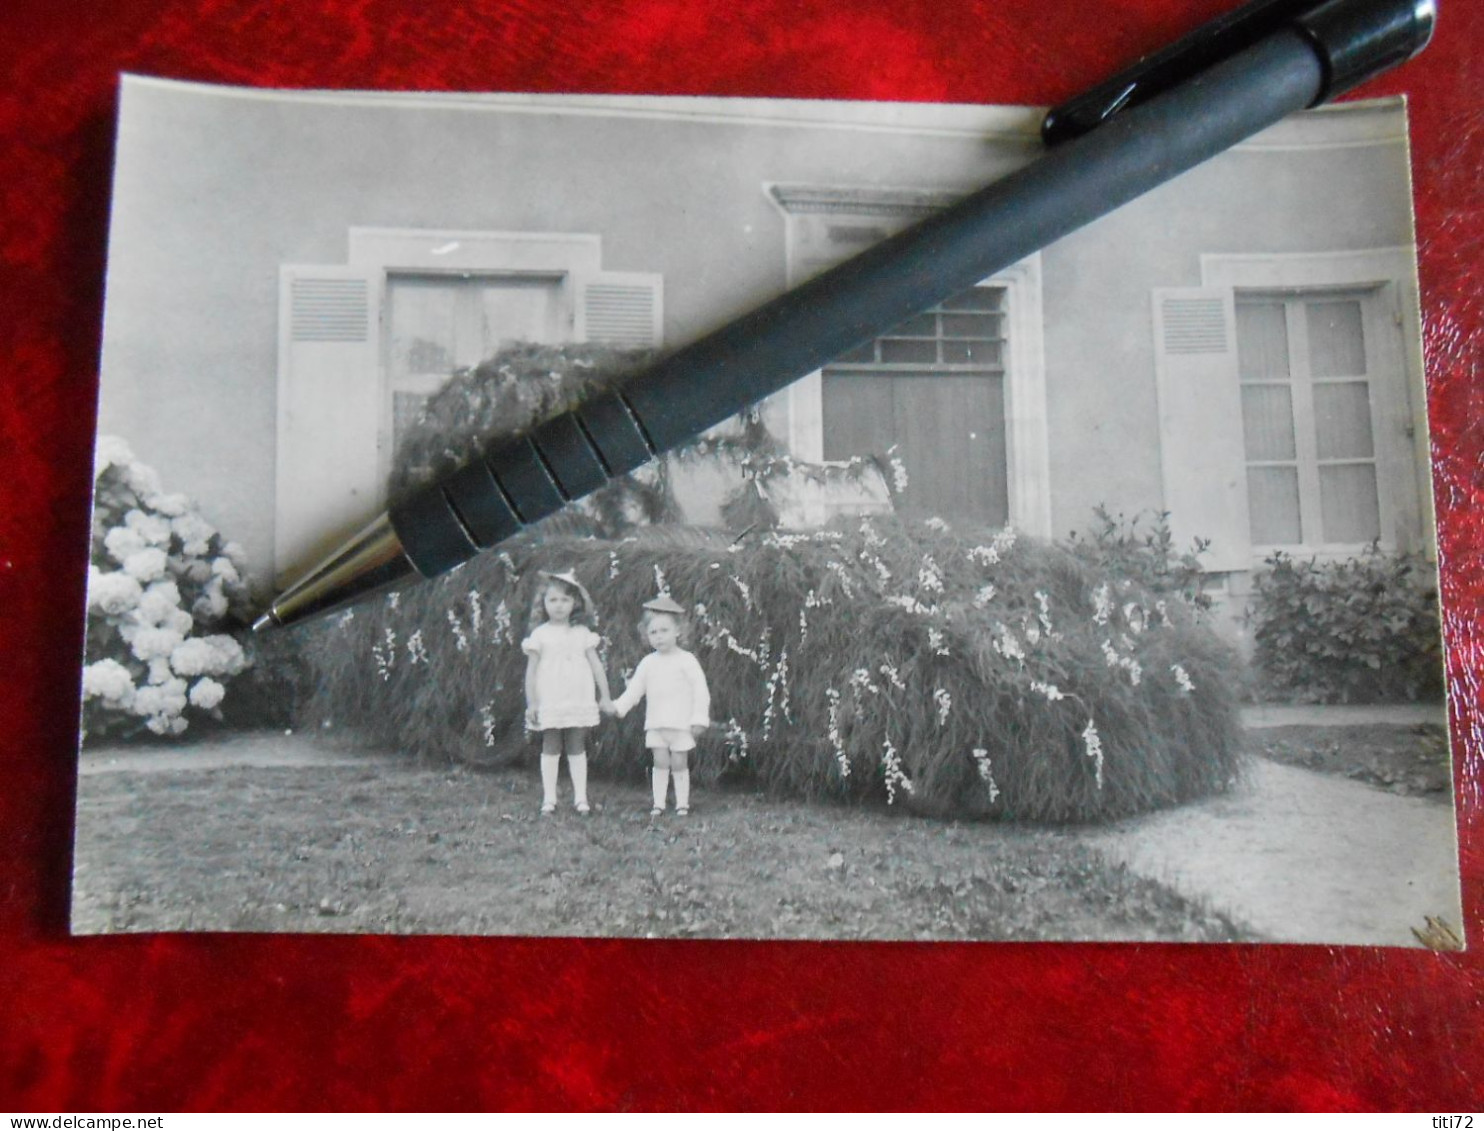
(291,276)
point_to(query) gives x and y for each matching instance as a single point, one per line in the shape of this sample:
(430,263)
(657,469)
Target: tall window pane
(1336,340)
(1273,504)
(1349,507)
(1262,341)
(1342,419)
(1267,421)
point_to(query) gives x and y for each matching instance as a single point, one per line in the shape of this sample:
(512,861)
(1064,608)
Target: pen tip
(264,622)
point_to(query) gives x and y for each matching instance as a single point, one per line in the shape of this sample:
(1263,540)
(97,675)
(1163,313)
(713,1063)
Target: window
(1306,389)
(437,324)
(934,388)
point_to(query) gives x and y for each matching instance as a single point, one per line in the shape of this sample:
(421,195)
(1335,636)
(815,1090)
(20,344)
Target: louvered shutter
(1200,423)
(620,308)
(329,411)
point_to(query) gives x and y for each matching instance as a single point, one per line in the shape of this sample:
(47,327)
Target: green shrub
(1119,546)
(959,672)
(162,586)
(1362,630)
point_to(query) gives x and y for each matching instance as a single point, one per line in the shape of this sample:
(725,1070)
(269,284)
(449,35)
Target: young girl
(565,683)
(678,701)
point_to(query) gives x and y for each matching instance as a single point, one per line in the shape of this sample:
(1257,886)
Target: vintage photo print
(1097,601)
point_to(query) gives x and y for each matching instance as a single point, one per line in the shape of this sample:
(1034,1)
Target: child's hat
(664,603)
(569,577)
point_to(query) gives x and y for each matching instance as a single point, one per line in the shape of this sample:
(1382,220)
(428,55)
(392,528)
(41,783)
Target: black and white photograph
(1097,601)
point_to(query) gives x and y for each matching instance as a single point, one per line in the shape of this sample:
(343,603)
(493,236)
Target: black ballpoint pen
(1178,107)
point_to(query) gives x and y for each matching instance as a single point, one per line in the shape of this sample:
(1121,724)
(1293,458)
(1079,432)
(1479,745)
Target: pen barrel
(1063,190)
(711,380)
(1358,40)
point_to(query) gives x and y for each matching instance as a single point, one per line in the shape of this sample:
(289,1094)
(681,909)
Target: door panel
(949,431)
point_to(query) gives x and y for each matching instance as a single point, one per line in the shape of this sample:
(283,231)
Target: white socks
(578,768)
(662,786)
(551,765)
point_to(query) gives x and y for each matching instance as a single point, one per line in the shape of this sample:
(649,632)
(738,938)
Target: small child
(565,683)
(678,703)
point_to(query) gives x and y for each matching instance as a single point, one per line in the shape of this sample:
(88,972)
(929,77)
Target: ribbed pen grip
(519,482)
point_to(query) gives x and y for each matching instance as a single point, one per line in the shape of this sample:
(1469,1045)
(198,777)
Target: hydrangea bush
(965,672)
(161,585)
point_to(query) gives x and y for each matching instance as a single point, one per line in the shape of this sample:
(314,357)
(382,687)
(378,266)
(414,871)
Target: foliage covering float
(161,583)
(1362,630)
(957,672)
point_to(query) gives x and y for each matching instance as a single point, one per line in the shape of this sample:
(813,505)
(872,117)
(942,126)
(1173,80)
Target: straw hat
(664,603)
(569,577)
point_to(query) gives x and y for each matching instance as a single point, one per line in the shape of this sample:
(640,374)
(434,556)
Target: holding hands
(606,708)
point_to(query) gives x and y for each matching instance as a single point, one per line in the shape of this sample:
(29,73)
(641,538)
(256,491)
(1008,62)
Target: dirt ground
(388,847)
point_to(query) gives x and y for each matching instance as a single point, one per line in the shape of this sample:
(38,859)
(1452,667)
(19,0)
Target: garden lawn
(393,848)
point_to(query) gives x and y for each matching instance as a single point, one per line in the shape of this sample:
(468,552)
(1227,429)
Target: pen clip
(1355,39)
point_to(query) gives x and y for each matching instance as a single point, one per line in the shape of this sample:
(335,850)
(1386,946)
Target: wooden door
(948,429)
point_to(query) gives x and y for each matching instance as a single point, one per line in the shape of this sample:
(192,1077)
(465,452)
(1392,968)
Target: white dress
(566,694)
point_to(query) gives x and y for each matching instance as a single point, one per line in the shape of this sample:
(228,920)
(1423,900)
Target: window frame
(797,411)
(1388,276)
(1302,383)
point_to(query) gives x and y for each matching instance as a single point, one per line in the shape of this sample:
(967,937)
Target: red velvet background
(254,1022)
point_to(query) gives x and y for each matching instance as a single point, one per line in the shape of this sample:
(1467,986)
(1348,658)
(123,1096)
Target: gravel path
(1304,857)
(260,748)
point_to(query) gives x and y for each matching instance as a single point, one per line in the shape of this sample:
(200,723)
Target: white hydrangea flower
(206,693)
(121,542)
(147,564)
(211,605)
(151,643)
(110,451)
(112,592)
(193,657)
(142,480)
(153,528)
(224,568)
(192,530)
(166,699)
(172,506)
(160,600)
(110,681)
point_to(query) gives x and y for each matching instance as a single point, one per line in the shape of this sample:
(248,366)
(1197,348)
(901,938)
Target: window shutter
(1200,423)
(622,309)
(329,411)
